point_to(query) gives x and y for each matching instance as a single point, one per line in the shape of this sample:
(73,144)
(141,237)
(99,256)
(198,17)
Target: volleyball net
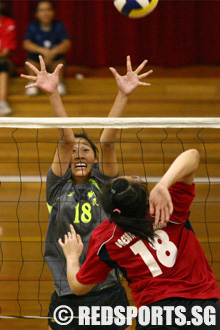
(145,147)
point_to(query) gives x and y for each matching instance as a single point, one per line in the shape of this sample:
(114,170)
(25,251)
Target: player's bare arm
(72,249)
(48,82)
(182,169)
(127,84)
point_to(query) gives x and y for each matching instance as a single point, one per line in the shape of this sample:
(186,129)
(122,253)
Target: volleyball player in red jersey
(8,43)
(162,260)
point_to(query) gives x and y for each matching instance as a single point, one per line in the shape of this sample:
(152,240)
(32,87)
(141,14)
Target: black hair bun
(124,193)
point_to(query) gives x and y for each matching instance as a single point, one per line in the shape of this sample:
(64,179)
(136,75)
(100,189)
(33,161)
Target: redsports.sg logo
(154,315)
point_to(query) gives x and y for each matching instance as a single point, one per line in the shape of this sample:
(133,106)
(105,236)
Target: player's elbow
(106,145)
(80,289)
(26,45)
(66,45)
(195,158)
(67,142)
(77,291)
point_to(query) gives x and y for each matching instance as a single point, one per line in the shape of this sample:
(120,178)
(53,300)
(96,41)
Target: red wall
(178,32)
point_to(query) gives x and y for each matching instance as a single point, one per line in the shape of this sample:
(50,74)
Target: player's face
(82,160)
(45,12)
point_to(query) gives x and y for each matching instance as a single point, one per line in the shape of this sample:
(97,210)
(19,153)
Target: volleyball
(135,8)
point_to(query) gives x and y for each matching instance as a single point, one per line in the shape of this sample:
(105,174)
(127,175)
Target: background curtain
(177,33)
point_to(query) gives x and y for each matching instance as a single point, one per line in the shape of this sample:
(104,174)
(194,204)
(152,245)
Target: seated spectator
(7,43)
(48,38)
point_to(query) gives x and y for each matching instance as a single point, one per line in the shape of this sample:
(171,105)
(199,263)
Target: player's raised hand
(73,245)
(44,80)
(129,82)
(161,206)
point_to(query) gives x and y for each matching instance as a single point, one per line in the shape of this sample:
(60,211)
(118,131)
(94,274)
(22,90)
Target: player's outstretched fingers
(162,217)
(79,239)
(167,214)
(34,78)
(65,239)
(73,232)
(170,207)
(144,84)
(141,66)
(114,72)
(152,209)
(129,67)
(31,85)
(60,242)
(32,67)
(146,74)
(42,64)
(157,216)
(58,68)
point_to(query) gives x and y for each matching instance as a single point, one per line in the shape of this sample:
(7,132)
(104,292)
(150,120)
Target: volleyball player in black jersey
(73,182)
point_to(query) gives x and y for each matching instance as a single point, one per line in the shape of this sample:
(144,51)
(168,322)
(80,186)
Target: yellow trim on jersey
(95,183)
(49,207)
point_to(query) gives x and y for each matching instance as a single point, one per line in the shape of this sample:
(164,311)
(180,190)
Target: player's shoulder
(182,188)
(106,224)
(57,24)
(104,230)
(33,26)
(103,234)
(34,23)
(52,177)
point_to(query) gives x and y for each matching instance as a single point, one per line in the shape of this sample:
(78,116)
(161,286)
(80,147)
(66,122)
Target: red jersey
(7,33)
(174,265)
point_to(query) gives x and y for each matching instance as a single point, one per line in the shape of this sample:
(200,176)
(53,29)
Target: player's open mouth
(80,166)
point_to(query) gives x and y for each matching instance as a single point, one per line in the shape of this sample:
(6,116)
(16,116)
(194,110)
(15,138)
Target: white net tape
(98,122)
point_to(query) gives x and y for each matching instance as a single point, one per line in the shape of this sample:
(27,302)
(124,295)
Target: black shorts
(198,321)
(35,57)
(112,296)
(4,67)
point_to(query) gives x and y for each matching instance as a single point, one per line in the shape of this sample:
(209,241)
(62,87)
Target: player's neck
(80,180)
(46,26)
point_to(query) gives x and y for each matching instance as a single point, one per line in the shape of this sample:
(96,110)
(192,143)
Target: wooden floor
(185,92)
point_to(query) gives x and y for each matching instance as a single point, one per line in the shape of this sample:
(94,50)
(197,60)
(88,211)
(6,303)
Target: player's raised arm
(72,249)
(126,85)
(48,83)
(182,169)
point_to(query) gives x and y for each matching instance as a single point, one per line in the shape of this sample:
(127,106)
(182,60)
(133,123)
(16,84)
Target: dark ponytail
(127,202)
